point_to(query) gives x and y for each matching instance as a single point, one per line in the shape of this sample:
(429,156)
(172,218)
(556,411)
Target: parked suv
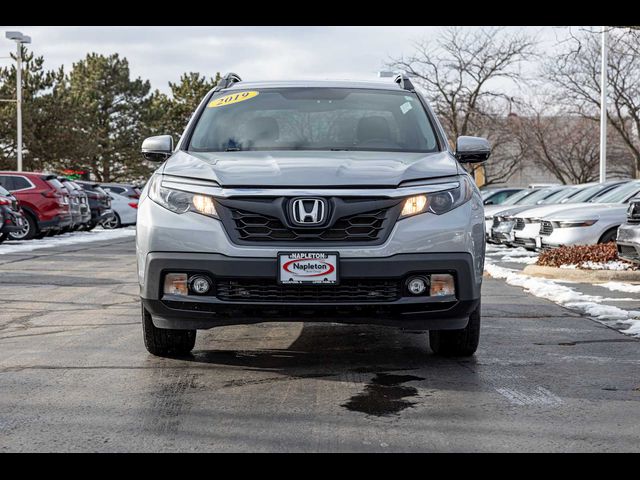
(44,202)
(99,203)
(311,201)
(11,218)
(629,234)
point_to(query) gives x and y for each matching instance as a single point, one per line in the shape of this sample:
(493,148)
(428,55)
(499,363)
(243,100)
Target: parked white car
(125,211)
(526,225)
(590,223)
(516,203)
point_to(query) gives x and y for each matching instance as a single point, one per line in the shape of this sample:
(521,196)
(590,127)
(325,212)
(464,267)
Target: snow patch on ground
(502,253)
(73,238)
(620,287)
(568,297)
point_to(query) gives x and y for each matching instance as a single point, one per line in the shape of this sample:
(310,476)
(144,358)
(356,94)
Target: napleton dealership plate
(308,267)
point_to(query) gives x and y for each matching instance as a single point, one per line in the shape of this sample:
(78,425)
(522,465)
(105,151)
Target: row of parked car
(561,215)
(36,205)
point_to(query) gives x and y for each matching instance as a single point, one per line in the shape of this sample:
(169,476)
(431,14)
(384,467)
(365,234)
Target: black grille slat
(519,224)
(359,227)
(634,213)
(546,228)
(256,290)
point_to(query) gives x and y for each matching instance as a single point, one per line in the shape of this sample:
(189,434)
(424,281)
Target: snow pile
(614,265)
(568,297)
(621,287)
(513,255)
(73,238)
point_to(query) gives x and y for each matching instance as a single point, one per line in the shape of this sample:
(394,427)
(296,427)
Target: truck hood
(311,168)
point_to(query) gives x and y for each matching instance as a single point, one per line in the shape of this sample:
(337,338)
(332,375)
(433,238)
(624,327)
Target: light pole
(20,40)
(603,108)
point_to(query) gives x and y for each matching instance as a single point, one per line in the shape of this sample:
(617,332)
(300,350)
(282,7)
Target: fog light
(199,284)
(176,284)
(442,285)
(417,285)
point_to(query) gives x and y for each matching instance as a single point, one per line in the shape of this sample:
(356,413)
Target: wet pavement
(75,376)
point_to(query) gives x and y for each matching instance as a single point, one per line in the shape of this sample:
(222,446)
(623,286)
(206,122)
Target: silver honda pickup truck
(313,201)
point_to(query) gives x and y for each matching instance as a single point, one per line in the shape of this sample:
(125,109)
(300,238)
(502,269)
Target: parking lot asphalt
(74,375)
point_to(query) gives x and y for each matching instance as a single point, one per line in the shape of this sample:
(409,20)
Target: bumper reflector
(442,285)
(176,284)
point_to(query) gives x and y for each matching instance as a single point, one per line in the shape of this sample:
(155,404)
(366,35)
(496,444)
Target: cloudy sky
(162,54)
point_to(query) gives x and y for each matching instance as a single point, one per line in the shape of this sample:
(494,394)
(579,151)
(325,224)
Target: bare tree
(466,74)
(575,72)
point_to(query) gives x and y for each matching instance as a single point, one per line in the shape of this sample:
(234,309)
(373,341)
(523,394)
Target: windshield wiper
(233,149)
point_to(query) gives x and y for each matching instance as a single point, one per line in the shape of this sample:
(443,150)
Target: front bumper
(628,242)
(421,313)
(572,236)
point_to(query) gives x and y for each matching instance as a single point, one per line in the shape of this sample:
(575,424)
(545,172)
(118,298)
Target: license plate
(538,242)
(308,268)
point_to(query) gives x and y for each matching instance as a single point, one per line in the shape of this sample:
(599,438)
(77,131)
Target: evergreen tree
(170,114)
(109,115)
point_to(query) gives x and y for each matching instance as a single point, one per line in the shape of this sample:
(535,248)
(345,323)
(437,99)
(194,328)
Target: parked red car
(44,202)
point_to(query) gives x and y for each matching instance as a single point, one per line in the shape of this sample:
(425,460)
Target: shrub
(577,255)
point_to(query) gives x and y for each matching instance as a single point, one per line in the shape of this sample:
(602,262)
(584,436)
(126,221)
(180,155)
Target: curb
(582,276)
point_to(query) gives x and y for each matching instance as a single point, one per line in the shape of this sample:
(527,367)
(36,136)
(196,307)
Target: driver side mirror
(157,149)
(472,149)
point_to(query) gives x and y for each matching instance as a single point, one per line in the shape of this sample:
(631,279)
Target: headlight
(181,202)
(440,202)
(573,224)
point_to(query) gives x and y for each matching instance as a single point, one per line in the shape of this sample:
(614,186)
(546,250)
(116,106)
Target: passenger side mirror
(489,202)
(472,149)
(157,149)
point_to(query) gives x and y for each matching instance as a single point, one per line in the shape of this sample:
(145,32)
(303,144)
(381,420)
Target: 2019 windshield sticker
(233,98)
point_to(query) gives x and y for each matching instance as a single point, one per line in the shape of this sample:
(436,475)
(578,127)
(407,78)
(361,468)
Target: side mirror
(157,149)
(489,202)
(472,149)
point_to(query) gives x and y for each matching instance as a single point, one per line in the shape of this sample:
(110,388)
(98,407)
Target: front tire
(164,342)
(457,343)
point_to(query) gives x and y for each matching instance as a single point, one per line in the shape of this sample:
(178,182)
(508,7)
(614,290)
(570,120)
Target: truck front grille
(365,221)
(267,290)
(360,227)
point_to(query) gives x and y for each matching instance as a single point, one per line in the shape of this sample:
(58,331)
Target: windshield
(538,196)
(486,193)
(4,192)
(314,119)
(518,198)
(55,183)
(621,193)
(589,193)
(561,195)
